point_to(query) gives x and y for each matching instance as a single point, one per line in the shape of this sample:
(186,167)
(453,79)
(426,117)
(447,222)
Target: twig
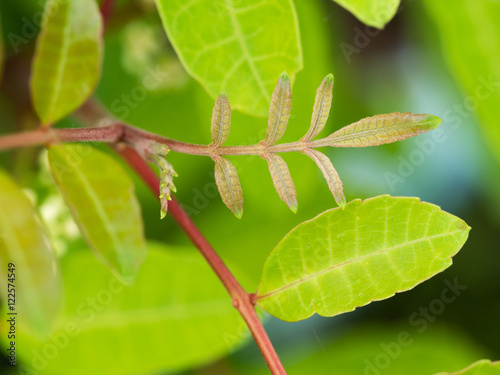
(129,134)
(107,8)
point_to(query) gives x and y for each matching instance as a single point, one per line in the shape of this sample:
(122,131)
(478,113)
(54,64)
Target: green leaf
(343,259)
(101,197)
(279,111)
(381,129)
(68,58)
(331,176)
(221,121)
(177,315)
(239,46)
(376,13)
(469,33)
(229,185)
(321,109)
(27,263)
(484,367)
(282,180)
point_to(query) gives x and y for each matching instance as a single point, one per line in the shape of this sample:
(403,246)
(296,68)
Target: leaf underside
(36,275)
(382,129)
(321,109)
(279,111)
(239,46)
(101,197)
(331,176)
(282,180)
(343,259)
(221,121)
(67,60)
(229,185)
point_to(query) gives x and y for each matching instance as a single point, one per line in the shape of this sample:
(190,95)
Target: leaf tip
(238,213)
(433,122)
(294,207)
(284,76)
(329,78)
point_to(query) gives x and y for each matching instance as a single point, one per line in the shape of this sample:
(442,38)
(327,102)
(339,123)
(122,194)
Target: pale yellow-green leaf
(381,129)
(28,267)
(483,367)
(221,121)
(229,185)
(102,200)
(282,180)
(321,109)
(370,250)
(236,46)
(376,13)
(176,316)
(331,175)
(67,60)
(279,111)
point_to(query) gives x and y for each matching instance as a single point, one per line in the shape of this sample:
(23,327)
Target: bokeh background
(431,58)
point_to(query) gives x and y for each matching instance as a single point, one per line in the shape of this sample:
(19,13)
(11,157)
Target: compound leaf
(381,129)
(28,267)
(229,185)
(221,121)
(177,315)
(330,174)
(321,109)
(376,13)
(343,259)
(483,367)
(282,180)
(101,197)
(238,46)
(68,58)
(279,111)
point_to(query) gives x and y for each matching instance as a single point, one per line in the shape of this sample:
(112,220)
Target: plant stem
(107,8)
(242,300)
(131,135)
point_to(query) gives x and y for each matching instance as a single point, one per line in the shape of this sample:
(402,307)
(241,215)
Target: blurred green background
(430,58)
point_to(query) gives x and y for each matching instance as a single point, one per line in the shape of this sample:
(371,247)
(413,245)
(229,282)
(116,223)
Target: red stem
(107,8)
(241,299)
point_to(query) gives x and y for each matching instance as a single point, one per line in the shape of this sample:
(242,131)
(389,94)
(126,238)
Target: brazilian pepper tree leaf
(101,197)
(381,129)
(239,46)
(375,13)
(229,185)
(176,316)
(279,111)
(68,58)
(29,273)
(343,259)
